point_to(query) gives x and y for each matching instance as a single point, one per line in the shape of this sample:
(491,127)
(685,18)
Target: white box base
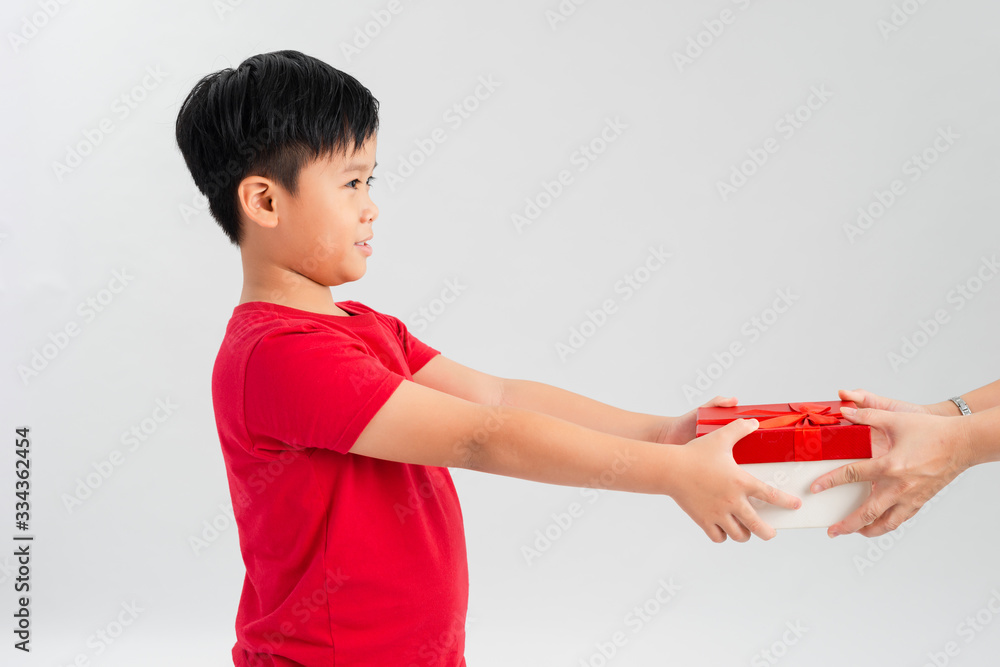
(821,509)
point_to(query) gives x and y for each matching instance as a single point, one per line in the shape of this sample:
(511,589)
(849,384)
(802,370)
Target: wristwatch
(962,405)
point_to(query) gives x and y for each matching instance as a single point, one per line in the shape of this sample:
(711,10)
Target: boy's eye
(353,184)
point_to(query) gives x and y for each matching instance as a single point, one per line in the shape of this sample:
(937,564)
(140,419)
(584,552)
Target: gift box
(795,444)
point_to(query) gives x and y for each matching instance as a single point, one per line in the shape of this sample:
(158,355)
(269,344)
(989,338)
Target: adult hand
(866,399)
(714,491)
(919,454)
(678,430)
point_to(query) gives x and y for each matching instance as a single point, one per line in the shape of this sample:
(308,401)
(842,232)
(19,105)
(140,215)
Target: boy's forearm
(538,447)
(578,409)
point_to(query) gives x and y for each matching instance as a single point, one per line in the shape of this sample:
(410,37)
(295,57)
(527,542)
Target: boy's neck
(294,291)
(322,310)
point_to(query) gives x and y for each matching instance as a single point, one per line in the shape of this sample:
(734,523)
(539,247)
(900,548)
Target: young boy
(337,425)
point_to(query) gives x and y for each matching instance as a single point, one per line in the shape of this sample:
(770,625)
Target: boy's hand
(715,492)
(679,430)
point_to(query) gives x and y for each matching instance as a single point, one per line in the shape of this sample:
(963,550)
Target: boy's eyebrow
(360,166)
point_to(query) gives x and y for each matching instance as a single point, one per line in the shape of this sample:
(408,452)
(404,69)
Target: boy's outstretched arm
(424,426)
(593,414)
(453,378)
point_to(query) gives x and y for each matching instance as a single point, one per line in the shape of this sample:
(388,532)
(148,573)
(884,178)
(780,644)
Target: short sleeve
(312,389)
(417,352)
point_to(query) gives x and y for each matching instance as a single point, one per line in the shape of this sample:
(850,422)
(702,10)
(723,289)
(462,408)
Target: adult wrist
(966,444)
(962,406)
(945,408)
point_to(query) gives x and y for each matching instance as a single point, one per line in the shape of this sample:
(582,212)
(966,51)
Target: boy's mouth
(365,248)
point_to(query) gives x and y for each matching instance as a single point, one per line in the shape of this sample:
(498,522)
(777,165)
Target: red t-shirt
(350,560)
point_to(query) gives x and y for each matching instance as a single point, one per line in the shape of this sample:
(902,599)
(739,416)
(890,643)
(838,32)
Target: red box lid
(792,432)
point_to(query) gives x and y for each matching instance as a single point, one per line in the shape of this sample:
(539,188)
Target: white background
(131,205)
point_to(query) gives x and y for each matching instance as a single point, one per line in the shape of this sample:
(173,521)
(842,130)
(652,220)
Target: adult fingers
(880,419)
(890,520)
(889,426)
(856,395)
(865,399)
(869,512)
(859,471)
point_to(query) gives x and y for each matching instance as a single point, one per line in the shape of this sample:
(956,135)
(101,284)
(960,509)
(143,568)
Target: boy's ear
(255,195)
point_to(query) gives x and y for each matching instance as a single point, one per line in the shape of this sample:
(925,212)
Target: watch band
(962,405)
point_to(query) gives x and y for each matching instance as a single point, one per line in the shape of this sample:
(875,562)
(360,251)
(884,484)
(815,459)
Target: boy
(337,425)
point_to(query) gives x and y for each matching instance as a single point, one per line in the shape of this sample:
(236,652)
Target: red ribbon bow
(801,414)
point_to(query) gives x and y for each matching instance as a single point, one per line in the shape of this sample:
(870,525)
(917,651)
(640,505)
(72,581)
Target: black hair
(269,116)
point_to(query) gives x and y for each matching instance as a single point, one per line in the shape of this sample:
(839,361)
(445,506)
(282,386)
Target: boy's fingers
(715,533)
(732,432)
(749,518)
(769,494)
(721,402)
(860,471)
(733,529)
